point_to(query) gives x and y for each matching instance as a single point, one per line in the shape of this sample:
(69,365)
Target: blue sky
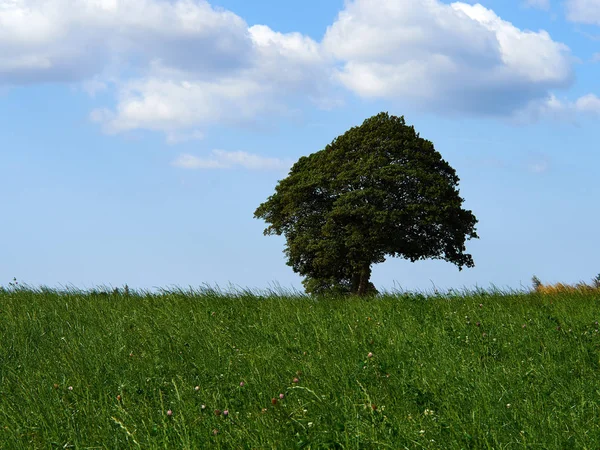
(139,136)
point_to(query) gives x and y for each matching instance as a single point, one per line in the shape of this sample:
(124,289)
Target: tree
(378,190)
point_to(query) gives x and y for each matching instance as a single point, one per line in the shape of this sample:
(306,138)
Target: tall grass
(124,369)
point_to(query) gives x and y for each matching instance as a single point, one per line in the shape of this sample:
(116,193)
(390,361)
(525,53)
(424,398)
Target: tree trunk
(365,275)
(355,282)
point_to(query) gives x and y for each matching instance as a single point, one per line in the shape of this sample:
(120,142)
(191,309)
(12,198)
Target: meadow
(206,369)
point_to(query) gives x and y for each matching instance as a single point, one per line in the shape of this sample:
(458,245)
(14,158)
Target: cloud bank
(181,66)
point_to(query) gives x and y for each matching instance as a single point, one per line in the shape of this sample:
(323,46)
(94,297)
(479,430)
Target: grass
(453,371)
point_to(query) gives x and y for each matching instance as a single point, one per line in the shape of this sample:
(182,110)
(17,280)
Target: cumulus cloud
(221,159)
(456,58)
(174,97)
(179,66)
(66,40)
(166,105)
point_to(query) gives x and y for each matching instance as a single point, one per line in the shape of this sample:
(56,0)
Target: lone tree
(377,190)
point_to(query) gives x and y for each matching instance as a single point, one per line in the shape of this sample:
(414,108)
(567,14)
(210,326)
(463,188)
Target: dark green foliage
(378,190)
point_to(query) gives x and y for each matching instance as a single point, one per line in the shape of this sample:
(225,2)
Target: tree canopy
(378,190)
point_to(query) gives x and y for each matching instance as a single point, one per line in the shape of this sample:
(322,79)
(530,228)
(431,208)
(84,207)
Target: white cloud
(294,61)
(589,103)
(456,58)
(595,57)
(583,11)
(170,98)
(539,4)
(165,105)
(221,159)
(179,66)
(65,40)
(560,110)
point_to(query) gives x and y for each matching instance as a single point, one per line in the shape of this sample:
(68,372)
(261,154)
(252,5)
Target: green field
(459,370)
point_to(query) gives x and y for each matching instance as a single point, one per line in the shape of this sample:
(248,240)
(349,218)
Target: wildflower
(295,380)
(203,407)
(281,396)
(215,432)
(169,413)
(524,325)
(226,412)
(481,305)
(264,410)
(310,424)
(70,388)
(241,384)
(422,432)
(369,355)
(119,398)
(197,388)
(508,405)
